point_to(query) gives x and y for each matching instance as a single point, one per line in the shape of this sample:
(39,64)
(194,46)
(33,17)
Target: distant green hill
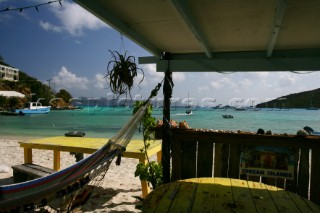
(304,99)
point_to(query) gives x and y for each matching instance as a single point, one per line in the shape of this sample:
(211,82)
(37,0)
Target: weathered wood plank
(36,170)
(205,159)
(241,196)
(176,160)
(25,172)
(39,168)
(217,159)
(224,195)
(291,185)
(248,138)
(223,200)
(184,198)
(303,176)
(188,159)
(261,197)
(225,160)
(315,176)
(203,201)
(161,199)
(282,200)
(302,203)
(300,184)
(234,161)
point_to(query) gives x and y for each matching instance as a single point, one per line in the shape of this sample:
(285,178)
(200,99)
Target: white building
(9,73)
(9,94)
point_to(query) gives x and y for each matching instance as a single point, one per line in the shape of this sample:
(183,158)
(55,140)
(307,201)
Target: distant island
(304,100)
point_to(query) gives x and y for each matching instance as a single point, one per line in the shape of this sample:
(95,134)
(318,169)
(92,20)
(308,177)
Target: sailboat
(311,104)
(188,106)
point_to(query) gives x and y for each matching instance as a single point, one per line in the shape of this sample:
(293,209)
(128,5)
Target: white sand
(115,194)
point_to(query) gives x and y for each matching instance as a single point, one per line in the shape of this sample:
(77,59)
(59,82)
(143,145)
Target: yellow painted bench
(89,145)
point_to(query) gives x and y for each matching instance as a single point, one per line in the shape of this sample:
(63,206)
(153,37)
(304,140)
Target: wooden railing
(207,153)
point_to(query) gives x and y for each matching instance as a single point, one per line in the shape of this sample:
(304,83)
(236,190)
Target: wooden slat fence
(206,153)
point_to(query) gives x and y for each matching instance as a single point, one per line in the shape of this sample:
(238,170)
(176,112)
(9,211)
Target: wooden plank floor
(224,195)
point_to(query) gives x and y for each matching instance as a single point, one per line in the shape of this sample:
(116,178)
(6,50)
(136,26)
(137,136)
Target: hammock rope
(64,190)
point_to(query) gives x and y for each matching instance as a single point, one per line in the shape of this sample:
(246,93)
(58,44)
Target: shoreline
(115,193)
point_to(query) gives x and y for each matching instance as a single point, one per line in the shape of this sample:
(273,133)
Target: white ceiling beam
(279,14)
(184,11)
(108,16)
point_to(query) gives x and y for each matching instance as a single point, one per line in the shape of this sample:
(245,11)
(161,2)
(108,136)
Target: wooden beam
(276,140)
(184,11)
(108,16)
(281,60)
(280,11)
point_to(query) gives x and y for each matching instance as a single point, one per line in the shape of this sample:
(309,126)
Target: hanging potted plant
(122,70)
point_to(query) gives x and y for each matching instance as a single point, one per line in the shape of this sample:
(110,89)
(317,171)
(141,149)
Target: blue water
(106,121)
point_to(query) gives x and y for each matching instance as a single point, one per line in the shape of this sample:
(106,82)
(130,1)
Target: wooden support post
(27,155)
(144,184)
(166,142)
(159,156)
(56,160)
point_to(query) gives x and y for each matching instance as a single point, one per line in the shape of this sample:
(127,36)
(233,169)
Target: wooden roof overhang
(216,36)
(219,35)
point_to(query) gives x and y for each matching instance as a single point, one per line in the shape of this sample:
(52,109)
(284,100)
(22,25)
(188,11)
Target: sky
(68,48)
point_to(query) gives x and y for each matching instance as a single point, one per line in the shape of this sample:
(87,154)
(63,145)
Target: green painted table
(224,195)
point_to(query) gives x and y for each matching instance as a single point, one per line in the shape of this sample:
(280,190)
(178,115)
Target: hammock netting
(64,190)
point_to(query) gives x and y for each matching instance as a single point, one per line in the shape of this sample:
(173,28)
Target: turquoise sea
(106,121)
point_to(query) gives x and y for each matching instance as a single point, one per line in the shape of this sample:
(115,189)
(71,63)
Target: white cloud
(73,19)
(67,80)
(287,79)
(222,83)
(203,89)
(151,76)
(49,27)
(245,83)
(178,76)
(100,81)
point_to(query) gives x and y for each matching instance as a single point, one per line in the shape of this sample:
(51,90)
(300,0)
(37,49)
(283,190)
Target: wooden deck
(224,195)
(208,153)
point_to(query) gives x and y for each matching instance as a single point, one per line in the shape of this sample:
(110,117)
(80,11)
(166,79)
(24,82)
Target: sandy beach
(116,191)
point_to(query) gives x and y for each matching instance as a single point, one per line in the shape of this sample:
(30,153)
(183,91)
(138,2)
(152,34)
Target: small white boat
(33,108)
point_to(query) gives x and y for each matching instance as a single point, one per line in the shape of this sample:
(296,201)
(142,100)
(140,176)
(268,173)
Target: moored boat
(227,116)
(188,112)
(34,108)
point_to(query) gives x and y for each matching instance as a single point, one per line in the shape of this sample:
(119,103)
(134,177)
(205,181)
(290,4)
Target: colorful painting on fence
(267,162)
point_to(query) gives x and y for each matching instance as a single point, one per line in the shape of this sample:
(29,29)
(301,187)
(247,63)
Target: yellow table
(224,195)
(89,145)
